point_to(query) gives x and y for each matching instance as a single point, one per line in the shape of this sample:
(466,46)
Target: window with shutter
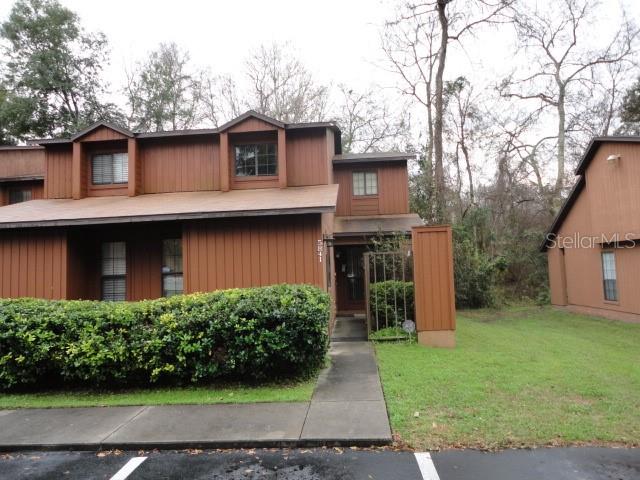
(109,168)
(114,271)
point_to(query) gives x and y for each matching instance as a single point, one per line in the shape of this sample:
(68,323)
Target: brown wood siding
(21,162)
(251,125)
(433,278)
(307,158)
(393,191)
(267,250)
(180,166)
(102,134)
(58,166)
(557,276)
(33,263)
(144,266)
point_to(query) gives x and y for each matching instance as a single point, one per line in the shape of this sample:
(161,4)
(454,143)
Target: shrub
(256,333)
(388,302)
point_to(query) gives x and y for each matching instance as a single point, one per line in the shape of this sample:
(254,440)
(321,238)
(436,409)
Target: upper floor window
(109,168)
(172,267)
(256,160)
(365,183)
(609,277)
(17,195)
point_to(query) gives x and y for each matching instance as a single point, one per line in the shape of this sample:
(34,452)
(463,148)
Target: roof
(188,132)
(589,153)
(355,158)
(367,225)
(21,178)
(169,206)
(20,147)
(595,143)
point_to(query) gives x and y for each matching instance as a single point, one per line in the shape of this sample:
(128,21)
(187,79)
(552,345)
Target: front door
(350,278)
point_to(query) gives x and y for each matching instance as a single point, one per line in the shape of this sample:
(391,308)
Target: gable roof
(188,132)
(586,159)
(95,126)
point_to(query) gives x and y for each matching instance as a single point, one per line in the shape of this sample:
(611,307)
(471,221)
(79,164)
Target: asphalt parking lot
(326,463)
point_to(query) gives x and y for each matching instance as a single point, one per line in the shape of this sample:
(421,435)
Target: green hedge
(258,333)
(387,302)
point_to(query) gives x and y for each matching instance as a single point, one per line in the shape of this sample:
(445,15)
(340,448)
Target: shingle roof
(354,158)
(368,225)
(169,206)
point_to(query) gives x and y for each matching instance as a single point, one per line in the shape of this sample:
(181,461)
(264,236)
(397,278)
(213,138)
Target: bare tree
(416,45)
(220,100)
(164,92)
(367,122)
(560,66)
(282,87)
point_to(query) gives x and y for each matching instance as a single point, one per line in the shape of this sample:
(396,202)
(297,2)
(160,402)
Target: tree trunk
(438,123)
(561,141)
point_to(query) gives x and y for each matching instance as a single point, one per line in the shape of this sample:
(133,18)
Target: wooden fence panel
(433,283)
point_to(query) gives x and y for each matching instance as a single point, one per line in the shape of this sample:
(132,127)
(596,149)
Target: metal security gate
(389,292)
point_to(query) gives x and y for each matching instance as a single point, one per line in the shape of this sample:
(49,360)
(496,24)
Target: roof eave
(563,212)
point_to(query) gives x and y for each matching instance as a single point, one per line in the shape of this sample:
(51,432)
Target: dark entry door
(350,278)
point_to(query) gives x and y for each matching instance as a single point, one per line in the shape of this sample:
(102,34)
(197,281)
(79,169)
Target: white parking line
(128,468)
(426,466)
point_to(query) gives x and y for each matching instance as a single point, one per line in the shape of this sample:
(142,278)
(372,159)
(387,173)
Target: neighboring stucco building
(117,215)
(592,246)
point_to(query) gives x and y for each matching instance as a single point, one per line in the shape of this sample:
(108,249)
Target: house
(118,215)
(592,246)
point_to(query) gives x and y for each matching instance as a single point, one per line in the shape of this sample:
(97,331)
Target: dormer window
(256,159)
(109,168)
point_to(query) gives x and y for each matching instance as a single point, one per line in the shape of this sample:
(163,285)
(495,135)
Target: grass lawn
(296,392)
(521,377)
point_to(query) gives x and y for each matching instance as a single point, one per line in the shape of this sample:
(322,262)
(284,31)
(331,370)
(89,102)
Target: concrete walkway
(347,408)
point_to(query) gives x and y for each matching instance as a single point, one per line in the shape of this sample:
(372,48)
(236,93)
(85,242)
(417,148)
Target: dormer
(253,153)
(105,162)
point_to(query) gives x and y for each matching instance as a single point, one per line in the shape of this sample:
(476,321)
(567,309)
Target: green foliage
(389,302)
(260,333)
(52,71)
(391,334)
(475,272)
(630,110)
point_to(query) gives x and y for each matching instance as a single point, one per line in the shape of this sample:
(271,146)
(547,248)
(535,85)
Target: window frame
(605,289)
(238,145)
(119,276)
(111,153)
(171,273)
(366,184)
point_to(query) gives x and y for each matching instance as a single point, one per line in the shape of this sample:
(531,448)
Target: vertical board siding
(33,264)
(180,166)
(21,162)
(393,191)
(101,134)
(58,166)
(433,278)
(307,154)
(234,253)
(251,124)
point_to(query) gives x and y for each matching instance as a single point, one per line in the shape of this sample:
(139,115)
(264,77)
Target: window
(109,168)
(365,183)
(256,159)
(19,195)
(610,282)
(114,271)
(172,267)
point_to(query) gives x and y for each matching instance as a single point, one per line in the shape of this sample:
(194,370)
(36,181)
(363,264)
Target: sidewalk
(347,408)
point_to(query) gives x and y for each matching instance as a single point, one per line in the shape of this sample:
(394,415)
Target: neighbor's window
(19,195)
(610,282)
(365,183)
(114,271)
(109,168)
(171,267)
(256,159)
